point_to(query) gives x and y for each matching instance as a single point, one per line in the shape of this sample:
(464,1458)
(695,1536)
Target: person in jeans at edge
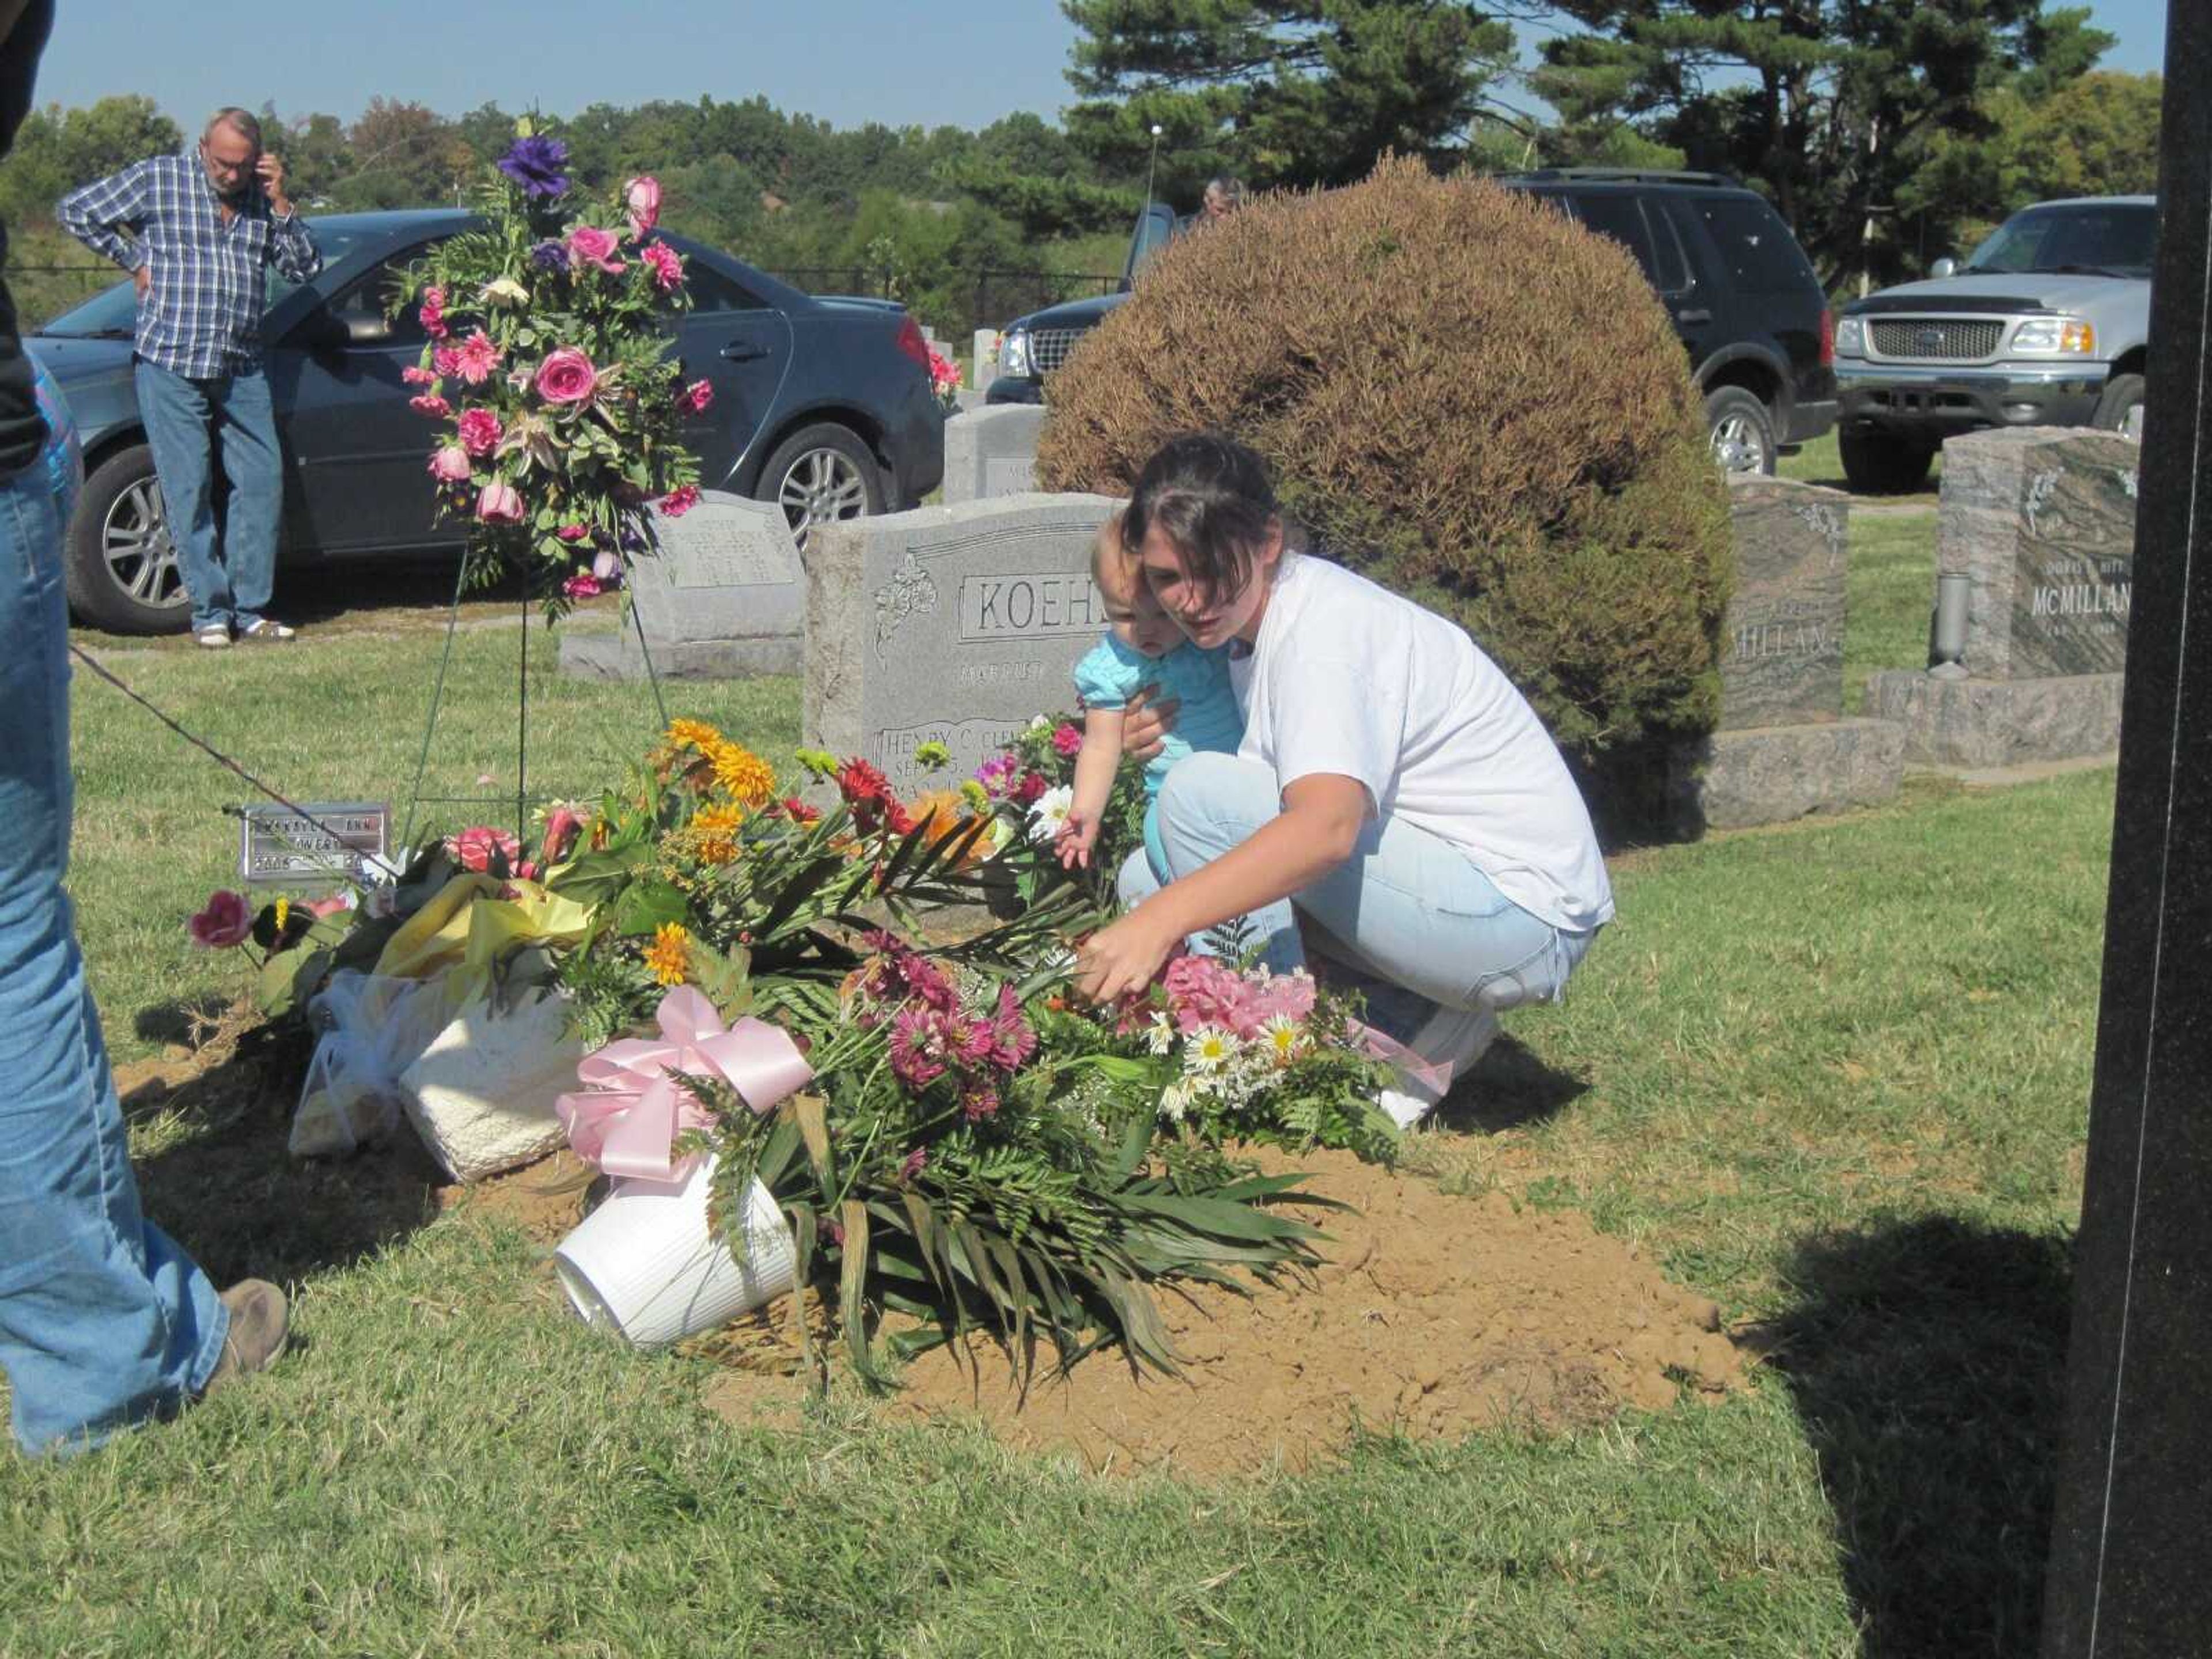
(103,1319)
(1393,790)
(197,232)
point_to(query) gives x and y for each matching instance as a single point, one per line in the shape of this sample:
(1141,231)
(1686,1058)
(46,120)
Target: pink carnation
(589,245)
(667,269)
(476,848)
(480,431)
(1066,740)
(567,377)
(695,397)
(573,532)
(431,404)
(433,312)
(677,502)
(500,502)
(641,196)
(223,922)
(415,375)
(446,362)
(476,358)
(449,465)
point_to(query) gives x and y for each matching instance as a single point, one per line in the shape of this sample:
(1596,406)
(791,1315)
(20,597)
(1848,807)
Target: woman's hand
(1145,723)
(1120,959)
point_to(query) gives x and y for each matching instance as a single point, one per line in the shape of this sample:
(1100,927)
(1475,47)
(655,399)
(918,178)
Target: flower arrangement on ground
(1028,787)
(547,370)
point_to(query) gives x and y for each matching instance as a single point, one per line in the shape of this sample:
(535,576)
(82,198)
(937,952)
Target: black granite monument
(2130,1575)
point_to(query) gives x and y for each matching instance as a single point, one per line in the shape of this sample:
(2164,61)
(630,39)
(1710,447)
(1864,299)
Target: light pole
(1151,162)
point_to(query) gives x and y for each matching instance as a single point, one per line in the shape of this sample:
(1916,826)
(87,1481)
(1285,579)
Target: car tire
(1741,429)
(119,565)
(819,475)
(2120,409)
(1879,465)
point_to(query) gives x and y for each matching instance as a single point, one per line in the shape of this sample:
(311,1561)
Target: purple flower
(1012,1040)
(549,255)
(918,1047)
(535,164)
(996,774)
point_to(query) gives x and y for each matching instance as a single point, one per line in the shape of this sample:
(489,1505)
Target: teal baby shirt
(1111,673)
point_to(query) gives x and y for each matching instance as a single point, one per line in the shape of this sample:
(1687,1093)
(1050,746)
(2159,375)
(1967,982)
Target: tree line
(1886,131)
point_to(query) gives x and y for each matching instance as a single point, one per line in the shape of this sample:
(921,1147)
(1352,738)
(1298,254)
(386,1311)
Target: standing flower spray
(547,374)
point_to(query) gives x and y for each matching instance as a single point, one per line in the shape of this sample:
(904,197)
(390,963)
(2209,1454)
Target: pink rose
(642,196)
(606,565)
(695,397)
(479,430)
(336,905)
(581,588)
(417,376)
(667,269)
(476,848)
(476,358)
(589,245)
(562,824)
(677,502)
(1066,740)
(567,377)
(499,503)
(450,463)
(573,532)
(224,922)
(431,404)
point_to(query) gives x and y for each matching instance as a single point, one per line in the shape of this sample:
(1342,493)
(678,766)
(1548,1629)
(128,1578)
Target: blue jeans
(1406,907)
(102,1318)
(184,421)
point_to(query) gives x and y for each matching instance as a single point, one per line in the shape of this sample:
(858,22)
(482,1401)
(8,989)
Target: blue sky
(964,62)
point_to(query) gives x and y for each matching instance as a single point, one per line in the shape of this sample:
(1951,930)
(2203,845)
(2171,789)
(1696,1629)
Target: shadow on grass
(222,1184)
(1928,1360)
(1512,1086)
(185,1022)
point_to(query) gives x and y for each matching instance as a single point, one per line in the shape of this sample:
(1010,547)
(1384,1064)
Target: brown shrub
(1462,393)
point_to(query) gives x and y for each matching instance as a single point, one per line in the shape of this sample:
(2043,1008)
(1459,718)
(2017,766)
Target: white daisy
(1285,1039)
(1208,1050)
(1051,811)
(1160,1035)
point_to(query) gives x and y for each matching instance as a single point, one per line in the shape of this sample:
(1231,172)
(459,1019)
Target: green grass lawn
(1818,463)
(1833,1075)
(1889,591)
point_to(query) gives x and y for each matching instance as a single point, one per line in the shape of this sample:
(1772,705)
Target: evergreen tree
(1283,92)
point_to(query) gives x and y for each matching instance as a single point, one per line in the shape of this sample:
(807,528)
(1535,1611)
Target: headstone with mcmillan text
(724,598)
(992,452)
(947,624)
(2037,524)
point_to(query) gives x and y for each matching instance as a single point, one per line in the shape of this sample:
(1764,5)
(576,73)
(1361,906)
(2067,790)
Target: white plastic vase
(645,1266)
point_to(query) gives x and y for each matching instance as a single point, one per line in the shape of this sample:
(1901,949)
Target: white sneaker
(1452,1039)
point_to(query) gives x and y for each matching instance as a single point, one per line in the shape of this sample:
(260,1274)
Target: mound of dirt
(1435,1316)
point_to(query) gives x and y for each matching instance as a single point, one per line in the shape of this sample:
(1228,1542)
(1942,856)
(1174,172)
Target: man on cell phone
(197,232)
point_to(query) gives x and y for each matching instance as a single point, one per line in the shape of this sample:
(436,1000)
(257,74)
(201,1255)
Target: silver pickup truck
(2045,325)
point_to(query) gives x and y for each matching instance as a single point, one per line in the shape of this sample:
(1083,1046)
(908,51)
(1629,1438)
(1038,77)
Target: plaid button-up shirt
(201,314)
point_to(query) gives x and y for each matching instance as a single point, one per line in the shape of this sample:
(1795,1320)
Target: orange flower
(669,956)
(750,780)
(937,811)
(715,833)
(695,734)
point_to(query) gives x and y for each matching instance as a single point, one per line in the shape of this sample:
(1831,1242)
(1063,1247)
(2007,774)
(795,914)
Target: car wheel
(2121,408)
(819,475)
(1741,430)
(1879,465)
(121,571)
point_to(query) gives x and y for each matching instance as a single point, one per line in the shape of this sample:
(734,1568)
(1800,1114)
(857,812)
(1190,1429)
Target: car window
(1755,245)
(710,290)
(2120,237)
(371,294)
(1620,216)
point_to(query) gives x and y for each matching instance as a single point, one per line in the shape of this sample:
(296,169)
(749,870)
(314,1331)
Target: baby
(1142,647)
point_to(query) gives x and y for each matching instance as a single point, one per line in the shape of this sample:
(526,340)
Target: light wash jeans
(102,1318)
(1408,908)
(185,420)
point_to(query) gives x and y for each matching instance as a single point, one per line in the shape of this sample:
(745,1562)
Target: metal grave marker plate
(330,843)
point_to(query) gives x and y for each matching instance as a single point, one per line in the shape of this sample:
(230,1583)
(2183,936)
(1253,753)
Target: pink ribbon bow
(1433,1076)
(627,1119)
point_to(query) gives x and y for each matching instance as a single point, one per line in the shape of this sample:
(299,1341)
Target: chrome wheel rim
(1737,445)
(138,550)
(821,487)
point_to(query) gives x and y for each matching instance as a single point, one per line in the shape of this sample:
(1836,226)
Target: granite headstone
(1782,651)
(725,597)
(992,452)
(948,625)
(2041,520)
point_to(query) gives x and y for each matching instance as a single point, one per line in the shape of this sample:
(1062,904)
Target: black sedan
(821,405)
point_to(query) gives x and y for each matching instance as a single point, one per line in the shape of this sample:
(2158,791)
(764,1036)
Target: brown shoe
(259,1323)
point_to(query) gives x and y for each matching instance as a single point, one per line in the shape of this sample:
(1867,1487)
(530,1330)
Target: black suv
(1741,292)
(1742,295)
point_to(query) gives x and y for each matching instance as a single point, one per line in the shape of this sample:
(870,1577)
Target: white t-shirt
(1350,678)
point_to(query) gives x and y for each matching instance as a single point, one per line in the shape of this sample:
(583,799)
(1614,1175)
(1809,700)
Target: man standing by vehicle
(198,231)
